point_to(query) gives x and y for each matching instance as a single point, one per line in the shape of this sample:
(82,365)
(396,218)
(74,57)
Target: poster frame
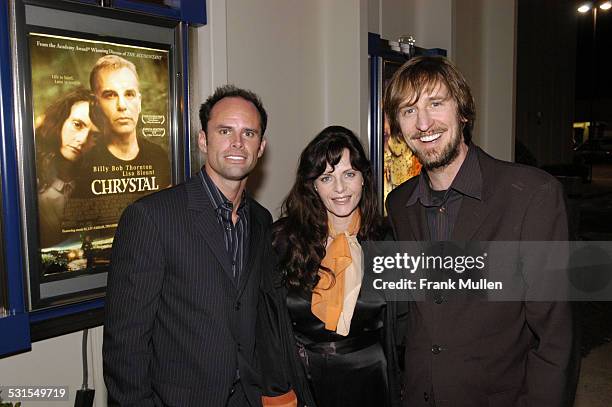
(382,62)
(87,300)
(381,57)
(14,324)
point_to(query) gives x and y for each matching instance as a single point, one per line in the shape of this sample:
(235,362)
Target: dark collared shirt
(442,207)
(236,236)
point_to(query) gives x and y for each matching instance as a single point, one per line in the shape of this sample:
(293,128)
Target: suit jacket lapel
(205,222)
(473,211)
(471,215)
(417,219)
(413,218)
(256,242)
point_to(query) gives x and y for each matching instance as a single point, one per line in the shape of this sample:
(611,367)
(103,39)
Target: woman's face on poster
(76,132)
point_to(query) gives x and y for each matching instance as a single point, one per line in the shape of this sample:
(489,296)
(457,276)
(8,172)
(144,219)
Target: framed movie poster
(391,158)
(101,139)
(399,164)
(99,130)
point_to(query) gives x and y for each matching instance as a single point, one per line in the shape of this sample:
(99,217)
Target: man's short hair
(112,62)
(231,91)
(424,73)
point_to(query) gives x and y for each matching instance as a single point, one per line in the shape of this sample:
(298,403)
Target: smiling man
(185,274)
(507,354)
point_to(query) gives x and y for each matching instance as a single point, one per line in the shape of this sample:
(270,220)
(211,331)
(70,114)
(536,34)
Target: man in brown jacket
(473,353)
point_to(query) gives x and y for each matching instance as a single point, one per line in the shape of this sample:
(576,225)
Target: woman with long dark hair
(63,134)
(342,330)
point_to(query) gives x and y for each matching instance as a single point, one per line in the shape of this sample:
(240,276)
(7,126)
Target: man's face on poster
(118,97)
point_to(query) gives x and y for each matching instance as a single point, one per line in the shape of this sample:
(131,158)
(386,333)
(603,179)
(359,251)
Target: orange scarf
(328,299)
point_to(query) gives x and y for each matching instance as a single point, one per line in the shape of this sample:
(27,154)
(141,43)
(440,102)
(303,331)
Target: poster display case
(14,318)
(98,118)
(84,181)
(391,158)
(4,300)
(189,11)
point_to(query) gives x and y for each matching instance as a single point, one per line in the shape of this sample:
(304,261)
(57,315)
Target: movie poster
(101,139)
(399,164)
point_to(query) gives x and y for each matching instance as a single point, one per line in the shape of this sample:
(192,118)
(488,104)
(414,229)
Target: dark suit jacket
(493,353)
(177,326)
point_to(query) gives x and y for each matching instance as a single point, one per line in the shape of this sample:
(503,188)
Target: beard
(434,159)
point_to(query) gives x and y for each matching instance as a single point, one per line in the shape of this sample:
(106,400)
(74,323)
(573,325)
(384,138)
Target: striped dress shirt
(236,236)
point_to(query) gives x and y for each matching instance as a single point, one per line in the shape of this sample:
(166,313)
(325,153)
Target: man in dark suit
(470,352)
(181,305)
